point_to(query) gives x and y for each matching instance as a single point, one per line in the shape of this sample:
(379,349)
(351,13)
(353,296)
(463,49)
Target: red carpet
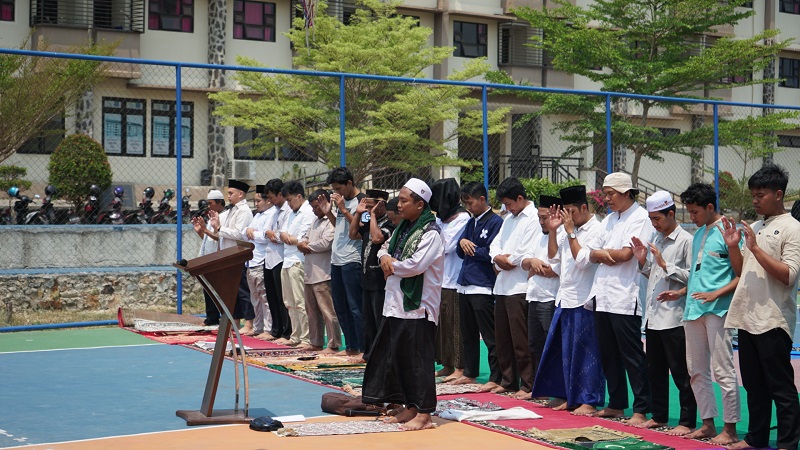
(563,419)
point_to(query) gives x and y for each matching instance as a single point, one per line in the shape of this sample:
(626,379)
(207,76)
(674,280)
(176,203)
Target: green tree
(76,164)
(13,176)
(649,47)
(388,124)
(33,90)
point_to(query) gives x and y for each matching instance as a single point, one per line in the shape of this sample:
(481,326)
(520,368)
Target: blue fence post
(342,148)
(609,147)
(179,164)
(484,104)
(716,152)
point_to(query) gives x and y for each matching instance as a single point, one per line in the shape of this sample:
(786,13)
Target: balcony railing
(119,15)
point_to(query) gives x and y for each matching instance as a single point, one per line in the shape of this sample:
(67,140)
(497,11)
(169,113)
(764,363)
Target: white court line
(80,348)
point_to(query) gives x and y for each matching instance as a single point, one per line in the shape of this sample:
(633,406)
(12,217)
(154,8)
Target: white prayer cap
(419,187)
(660,200)
(214,194)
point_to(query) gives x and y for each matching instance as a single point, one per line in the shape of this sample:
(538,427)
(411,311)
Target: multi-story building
(133,111)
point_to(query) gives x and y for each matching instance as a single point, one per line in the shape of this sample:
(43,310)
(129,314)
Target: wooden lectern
(220,274)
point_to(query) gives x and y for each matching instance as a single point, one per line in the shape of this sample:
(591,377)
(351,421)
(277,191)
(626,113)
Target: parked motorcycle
(6,217)
(46,215)
(164,213)
(145,213)
(202,209)
(186,208)
(92,213)
(21,208)
(116,216)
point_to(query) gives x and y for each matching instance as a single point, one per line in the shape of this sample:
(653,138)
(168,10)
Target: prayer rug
(126,317)
(339,428)
(169,327)
(515,413)
(176,339)
(622,444)
(450,389)
(465,404)
(586,434)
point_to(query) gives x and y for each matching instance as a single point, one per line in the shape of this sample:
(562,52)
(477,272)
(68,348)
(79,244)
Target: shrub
(76,164)
(536,187)
(13,176)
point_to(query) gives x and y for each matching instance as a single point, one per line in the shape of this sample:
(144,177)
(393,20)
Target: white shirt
(451,231)
(259,225)
(576,275)
(515,238)
(544,289)
(297,225)
(232,225)
(616,287)
(209,245)
(428,260)
(275,249)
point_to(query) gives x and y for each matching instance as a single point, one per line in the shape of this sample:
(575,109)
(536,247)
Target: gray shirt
(345,250)
(676,249)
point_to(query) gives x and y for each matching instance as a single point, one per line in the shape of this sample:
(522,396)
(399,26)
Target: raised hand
(324,204)
(730,233)
(554,219)
(566,220)
(213,218)
(639,250)
(657,256)
(749,236)
(362,206)
(338,200)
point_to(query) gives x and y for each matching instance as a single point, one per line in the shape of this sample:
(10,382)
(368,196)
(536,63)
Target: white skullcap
(660,200)
(419,187)
(215,195)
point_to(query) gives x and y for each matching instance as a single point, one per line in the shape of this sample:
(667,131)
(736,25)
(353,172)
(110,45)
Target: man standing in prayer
(667,271)
(543,280)
(319,303)
(451,217)
(254,233)
(216,203)
(475,284)
(712,281)
(615,299)
(371,224)
(764,309)
(229,230)
(513,243)
(292,273)
(273,262)
(570,368)
(399,369)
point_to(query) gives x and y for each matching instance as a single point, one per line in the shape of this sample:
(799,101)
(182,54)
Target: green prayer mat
(621,444)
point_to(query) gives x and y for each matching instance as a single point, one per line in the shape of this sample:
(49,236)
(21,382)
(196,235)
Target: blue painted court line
(55,396)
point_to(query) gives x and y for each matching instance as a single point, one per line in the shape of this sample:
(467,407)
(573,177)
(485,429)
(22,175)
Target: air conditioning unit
(242,170)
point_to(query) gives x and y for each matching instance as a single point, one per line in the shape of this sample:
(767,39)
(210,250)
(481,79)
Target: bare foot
(704,431)
(499,390)
(420,422)
(357,359)
(342,353)
(283,341)
(651,424)
(680,430)
(329,351)
(522,395)
(585,410)
(403,416)
(264,336)
(726,437)
(558,404)
(457,373)
(740,445)
(444,371)
(245,331)
(489,387)
(462,380)
(308,347)
(635,420)
(609,413)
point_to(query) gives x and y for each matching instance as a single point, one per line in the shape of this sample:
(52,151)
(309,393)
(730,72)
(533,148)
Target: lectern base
(220,417)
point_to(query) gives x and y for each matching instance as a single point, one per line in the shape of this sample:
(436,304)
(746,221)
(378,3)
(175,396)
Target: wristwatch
(572,235)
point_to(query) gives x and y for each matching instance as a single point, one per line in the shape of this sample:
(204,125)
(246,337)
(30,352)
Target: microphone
(183,262)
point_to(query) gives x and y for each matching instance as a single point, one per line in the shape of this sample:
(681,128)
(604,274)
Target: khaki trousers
(293,298)
(321,315)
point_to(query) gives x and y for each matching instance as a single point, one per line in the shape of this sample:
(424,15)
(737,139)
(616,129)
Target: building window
(790,6)
(164,130)
(7,10)
(789,73)
(46,141)
(788,141)
(294,153)
(123,126)
(171,15)
(469,39)
(247,144)
(254,21)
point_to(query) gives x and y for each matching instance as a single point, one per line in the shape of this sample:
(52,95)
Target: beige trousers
(294,299)
(709,350)
(321,316)
(258,297)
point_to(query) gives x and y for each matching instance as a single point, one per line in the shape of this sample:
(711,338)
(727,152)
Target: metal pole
(716,152)
(342,148)
(179,159)
(485,139)
(609,147)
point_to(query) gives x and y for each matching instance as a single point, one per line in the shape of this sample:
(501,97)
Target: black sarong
(401,367)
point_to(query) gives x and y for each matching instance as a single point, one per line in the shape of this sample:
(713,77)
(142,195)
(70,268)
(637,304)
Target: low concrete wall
(90,246)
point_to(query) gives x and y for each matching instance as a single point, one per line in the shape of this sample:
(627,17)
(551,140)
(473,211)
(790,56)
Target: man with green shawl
(400,369)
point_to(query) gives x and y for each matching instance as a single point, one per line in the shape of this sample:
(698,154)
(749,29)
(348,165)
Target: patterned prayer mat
(465,404)
(630,443)
(157,326)
(594,434)
(449,389)
(339,428)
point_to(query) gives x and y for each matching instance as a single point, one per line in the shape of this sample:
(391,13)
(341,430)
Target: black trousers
(281,324)
(212,313)
(540,315)
(372,312)
(244,308)
(511,333)
(619,337)
(477,319)
(666,353)
(768,376)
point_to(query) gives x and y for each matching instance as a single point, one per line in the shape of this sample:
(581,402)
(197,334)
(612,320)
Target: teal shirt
(715,272)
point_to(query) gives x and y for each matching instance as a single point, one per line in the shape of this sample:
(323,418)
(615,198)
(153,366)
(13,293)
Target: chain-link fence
(255,124)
